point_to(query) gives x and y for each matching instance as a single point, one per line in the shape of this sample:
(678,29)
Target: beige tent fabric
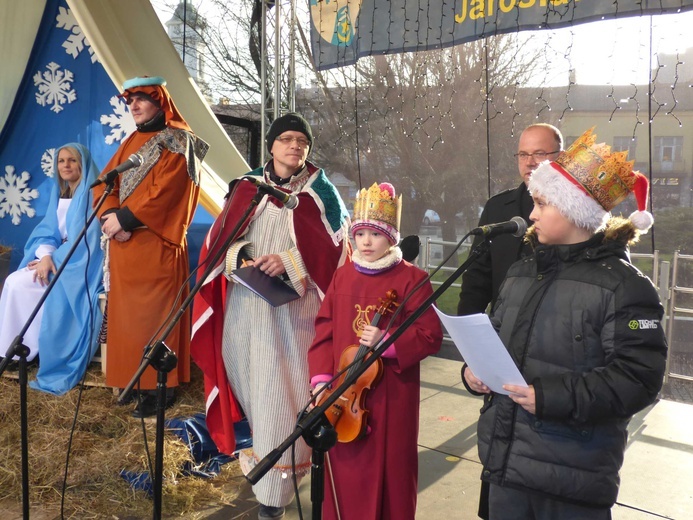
(130,41)
(19,23)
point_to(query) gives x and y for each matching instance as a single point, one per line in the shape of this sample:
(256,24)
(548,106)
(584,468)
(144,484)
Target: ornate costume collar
(279,181)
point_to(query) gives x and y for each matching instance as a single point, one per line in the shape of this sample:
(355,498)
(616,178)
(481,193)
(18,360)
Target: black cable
(82,385)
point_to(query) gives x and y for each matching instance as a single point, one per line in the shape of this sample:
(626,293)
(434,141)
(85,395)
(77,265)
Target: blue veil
(68,337)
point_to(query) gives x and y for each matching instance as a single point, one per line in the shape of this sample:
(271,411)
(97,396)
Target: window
(668,150)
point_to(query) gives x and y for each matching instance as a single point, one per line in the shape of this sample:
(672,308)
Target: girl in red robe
(375,476)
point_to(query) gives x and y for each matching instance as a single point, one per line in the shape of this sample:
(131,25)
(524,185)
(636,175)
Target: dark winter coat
(584,326)
(481,282)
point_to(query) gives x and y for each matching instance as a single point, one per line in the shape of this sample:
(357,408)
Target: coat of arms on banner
(335,20)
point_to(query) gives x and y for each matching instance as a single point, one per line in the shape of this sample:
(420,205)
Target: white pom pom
(642,220)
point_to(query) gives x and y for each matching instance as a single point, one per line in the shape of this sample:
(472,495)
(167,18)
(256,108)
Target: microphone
(134,160)
(517,226)
(410,246)
(289,200)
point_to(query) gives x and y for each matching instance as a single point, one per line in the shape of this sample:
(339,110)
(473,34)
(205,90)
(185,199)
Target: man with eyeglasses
(254,355)
(482,281)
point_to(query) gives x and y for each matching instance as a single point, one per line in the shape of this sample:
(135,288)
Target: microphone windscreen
(410,246)
(521,226)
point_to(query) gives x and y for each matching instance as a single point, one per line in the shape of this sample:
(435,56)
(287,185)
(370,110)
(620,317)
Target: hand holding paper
(523,396)
(474,382)
(482,350)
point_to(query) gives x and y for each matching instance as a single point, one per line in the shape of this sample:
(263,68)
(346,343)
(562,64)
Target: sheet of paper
(482,350)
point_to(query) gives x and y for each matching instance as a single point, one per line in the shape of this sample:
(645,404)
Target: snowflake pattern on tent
(54,87)
(121,122)
(16,196)
(77,41)
(47,162)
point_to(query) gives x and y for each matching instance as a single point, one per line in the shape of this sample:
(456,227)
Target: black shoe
(13,365)
(270,513)
(146,406)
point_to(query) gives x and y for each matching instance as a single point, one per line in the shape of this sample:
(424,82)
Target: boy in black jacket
(584,327)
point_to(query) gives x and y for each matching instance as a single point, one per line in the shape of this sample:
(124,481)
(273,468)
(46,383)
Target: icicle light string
(673,90)
(417,95)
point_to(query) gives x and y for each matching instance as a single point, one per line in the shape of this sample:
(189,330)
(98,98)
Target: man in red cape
(253,355)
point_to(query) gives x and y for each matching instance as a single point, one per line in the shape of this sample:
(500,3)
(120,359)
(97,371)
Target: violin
(348,414)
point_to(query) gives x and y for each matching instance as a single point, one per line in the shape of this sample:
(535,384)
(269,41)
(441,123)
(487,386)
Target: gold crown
(606,176)
(376,204)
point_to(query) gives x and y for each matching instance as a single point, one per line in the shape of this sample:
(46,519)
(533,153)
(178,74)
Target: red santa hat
(587,181)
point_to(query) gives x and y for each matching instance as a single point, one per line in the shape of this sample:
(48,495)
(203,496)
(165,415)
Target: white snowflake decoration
(15,195)
(77,41)
(121,122)
(47,162)
(54,87)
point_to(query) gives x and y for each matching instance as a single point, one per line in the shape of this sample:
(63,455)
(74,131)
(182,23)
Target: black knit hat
(290,121)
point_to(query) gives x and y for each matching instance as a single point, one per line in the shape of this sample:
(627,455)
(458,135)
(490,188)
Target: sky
(617,51)
(613,52)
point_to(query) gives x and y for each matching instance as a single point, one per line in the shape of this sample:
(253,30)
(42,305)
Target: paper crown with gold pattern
(378,208)
(588,180)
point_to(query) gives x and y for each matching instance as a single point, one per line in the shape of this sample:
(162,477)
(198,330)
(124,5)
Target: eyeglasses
(539,156)
(300,141)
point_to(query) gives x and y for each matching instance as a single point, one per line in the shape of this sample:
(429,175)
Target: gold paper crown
(377,205)
(606,176)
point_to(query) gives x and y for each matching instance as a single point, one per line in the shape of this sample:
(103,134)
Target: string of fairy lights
(424,108)
(438,110)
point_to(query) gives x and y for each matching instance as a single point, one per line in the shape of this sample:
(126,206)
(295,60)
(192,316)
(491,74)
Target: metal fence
(679,325)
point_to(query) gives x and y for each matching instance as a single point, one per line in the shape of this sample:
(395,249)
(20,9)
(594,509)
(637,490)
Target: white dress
(20,294)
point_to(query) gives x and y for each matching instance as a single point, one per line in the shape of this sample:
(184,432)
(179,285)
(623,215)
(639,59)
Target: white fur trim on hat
(642,220)
(570,200)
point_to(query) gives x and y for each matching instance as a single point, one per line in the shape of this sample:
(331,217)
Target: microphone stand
(17,348)
(314,426)
(161,358)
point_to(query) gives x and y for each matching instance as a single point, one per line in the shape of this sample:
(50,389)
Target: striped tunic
(265,354)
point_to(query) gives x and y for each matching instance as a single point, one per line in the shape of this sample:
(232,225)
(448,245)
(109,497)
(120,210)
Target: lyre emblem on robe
(361,319)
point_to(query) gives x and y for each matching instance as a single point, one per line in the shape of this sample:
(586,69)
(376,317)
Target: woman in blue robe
(66,330)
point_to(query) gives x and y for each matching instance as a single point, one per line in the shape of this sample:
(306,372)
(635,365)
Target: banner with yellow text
(342,31)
